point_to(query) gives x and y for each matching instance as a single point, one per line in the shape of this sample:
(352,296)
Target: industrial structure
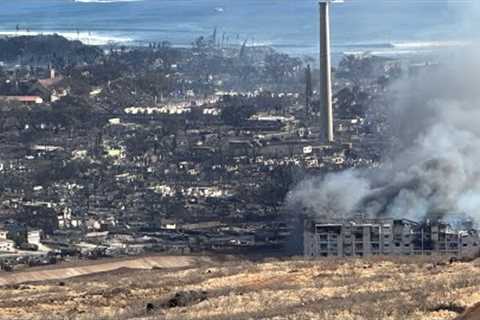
(326,108)
(387,236)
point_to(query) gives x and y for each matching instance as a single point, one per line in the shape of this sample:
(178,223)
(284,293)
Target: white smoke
(326,196)
(434,168)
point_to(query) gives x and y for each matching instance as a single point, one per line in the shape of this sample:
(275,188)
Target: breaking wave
(399,48)
(89,38)
(431,44)
(105,1)
(405,45)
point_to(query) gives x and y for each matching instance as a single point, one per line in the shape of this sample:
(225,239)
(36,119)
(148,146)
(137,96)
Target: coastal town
(113,151)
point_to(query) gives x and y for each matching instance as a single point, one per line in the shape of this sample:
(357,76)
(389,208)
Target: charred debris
(109,151)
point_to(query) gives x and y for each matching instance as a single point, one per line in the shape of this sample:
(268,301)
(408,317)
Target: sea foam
(89,38)
(105,1)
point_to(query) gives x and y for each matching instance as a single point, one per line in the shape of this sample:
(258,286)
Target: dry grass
(401,288)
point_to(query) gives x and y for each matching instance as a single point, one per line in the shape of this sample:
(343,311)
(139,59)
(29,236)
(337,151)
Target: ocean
(383,27)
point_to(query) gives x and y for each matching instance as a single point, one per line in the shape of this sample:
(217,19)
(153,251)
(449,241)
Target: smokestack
(326,111)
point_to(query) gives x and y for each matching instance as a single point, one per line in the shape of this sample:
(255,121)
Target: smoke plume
(434,166)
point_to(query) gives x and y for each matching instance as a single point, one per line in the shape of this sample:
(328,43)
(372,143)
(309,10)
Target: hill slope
(403,288)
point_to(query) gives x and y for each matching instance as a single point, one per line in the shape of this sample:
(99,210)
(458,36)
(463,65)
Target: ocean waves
(105,1)
(139,37)
(90,38)
(398,48)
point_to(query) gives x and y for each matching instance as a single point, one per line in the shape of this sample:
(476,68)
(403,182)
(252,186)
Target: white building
(7,246)
(34,237)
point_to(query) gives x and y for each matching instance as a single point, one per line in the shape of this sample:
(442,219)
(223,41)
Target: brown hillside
(472,313)
(401,288)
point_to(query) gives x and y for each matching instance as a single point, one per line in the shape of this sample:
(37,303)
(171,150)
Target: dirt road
(97,267)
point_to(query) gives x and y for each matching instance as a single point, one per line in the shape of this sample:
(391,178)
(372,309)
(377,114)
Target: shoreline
(389,49)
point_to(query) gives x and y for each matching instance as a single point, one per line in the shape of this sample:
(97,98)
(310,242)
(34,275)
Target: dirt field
(348,289)
(64,272)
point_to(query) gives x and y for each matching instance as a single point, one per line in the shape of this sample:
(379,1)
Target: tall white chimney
(326,110)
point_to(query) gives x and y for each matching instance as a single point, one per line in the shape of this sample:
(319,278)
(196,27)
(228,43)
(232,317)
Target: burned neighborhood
(104,163)
(238,160)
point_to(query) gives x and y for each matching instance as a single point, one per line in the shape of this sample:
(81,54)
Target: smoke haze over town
(431,169)
(254,159)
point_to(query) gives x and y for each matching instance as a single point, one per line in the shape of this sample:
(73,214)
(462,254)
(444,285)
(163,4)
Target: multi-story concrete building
(386,236)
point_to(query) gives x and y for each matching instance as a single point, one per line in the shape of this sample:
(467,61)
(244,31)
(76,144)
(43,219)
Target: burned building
(386,236)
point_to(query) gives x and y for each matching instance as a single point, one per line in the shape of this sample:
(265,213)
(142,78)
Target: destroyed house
(386,236)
